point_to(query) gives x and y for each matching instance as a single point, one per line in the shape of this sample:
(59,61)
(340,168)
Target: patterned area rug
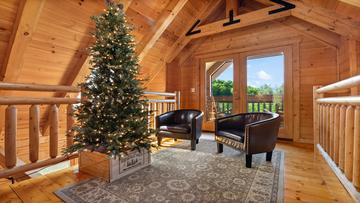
(177,174)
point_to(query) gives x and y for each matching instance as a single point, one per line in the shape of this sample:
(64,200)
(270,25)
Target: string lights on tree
(112,119)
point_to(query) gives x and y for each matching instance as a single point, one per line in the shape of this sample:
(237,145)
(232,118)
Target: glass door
(252,81)
(218,89)
(267,78)
(265,84)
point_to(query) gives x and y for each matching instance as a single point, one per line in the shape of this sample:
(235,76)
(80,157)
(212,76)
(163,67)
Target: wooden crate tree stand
(110,169)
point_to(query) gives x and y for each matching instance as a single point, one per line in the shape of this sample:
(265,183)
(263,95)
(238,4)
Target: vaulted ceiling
(45,41)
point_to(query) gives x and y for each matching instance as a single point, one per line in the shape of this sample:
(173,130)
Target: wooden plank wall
(318,65)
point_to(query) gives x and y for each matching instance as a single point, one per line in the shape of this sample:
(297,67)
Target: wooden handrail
(29,100)
(344,84)
(170,94)
(37,87)
(162,100)
(350,100)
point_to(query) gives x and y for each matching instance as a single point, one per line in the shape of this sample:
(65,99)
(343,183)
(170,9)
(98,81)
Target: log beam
(322,18)
(352,2)
(182,41)
(165,19)
(30,101)
(246,19)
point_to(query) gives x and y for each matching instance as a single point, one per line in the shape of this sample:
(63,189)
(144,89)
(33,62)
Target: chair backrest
(185,115)
(263,133)
(256,117)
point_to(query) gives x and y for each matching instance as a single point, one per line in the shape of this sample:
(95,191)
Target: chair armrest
(261,136)
(164,119)
(230,122)
(196,125)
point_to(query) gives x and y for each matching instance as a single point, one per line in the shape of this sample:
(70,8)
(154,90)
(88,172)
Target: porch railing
(337,130)
(158,102)
(256,103)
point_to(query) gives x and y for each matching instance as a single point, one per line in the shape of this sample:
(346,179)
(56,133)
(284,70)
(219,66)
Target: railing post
(349,142)
(162,107)
(54,130)
(316,118)
(34,132)
(356,168)
(69,125)
(342,137)
(336,133)
(326,126)
(331,131)
(155,113)
(177,100)
(10,136)
(318,127)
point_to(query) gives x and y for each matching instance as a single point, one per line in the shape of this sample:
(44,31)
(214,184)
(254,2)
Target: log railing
(161,102)
(158,102)
(255,103)
(337,130)
(11,125)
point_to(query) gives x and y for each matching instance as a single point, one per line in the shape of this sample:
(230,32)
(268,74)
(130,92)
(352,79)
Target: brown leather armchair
(180,124)
(251,132)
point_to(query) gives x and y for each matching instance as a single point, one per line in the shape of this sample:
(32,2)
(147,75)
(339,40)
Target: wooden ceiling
(45,41)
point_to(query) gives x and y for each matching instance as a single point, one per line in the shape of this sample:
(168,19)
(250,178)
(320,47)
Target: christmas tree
(112,118)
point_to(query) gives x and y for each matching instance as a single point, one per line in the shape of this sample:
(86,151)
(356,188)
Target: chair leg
(159,140)
(268,156)
(197,141)
(248,160)
(193,144)
(220,147)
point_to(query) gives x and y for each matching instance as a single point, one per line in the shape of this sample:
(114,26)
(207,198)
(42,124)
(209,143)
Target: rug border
(280,196)
(63,196)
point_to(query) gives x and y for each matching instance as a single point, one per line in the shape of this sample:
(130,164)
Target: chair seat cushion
(176,128)
(233,134)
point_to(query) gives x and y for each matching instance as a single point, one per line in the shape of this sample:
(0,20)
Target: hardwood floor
(307,179)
